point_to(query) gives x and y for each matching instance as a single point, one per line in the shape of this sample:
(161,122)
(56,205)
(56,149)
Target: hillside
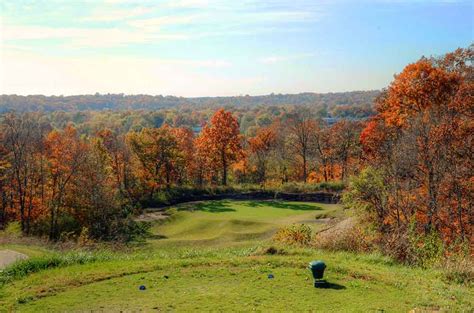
(98,102)
(215,256)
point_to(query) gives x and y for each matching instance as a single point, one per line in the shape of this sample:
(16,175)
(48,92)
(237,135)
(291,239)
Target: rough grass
(50,260)
(196,262)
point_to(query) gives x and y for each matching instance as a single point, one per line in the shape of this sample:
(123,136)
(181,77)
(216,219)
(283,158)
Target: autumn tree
(422,138)
(5,190)
(94,199)
(22,137)
(283,151)
(346,147)
(120,159)
(324,150)
(301,139)
(261,146)
(157,151)
(220,142)
(185,167)
(65,153)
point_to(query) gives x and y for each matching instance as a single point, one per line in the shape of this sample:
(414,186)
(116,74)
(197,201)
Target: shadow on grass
(327,285)
(220,206)
(157,236)
(284,205)
(214,207)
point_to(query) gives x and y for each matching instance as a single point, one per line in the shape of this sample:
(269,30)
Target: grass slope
(210,257)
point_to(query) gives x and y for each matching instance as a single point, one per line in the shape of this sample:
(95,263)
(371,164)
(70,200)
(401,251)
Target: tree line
(99,102)
(53,180)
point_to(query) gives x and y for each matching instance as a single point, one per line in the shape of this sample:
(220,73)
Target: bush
(291,187)
(270,251)
(128,230)
(459,270)
(332,186)
(171,211)
(68,225)
(84,239)
(295,234)
(426,250)
(295,187)
(13,229)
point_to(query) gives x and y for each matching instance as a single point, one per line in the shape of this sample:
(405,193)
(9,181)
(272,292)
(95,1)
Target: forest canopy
(343,102)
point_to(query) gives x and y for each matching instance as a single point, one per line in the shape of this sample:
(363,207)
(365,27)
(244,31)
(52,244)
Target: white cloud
(164,20)
(109,15)
(276,59)
(189,3)
(86,37)
(150,21)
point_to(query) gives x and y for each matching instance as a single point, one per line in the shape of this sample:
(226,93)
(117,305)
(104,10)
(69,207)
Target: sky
(220,47)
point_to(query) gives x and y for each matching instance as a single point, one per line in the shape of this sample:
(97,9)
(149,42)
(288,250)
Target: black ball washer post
(317,269)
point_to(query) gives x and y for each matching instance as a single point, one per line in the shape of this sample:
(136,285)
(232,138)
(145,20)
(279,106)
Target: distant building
(331,120)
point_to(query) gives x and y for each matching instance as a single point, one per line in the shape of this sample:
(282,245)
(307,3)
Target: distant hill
(99,102)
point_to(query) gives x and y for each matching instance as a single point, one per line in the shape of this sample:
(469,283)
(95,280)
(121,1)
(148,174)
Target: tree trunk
(52,223)
(224,169)
(304,169)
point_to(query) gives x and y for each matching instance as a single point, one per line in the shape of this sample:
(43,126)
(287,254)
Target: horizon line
(191,97)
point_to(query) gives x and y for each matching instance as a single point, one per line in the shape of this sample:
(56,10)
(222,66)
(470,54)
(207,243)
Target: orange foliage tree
(65,153)
(422,137)
(22,139)
(261,146)
(219,143)
(185,168)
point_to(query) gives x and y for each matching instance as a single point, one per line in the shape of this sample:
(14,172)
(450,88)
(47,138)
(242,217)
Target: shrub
(84,239)
(459,270)
(332,186)
(295,187)
(13,229)
(171,211)
(426,250)
(294,234)
(291,187)
(130,230)
(368,194)
(270,251)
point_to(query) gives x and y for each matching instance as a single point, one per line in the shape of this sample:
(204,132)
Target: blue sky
(220,47)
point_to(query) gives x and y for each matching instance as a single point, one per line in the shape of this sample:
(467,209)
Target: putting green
(226,223)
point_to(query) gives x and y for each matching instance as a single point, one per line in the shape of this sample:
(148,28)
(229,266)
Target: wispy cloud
(164,20)
(86,37)
(189,3)
(128,22)
(277,59)
(116,14)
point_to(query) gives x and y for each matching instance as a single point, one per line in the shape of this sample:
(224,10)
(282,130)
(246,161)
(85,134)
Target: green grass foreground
(211,257)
